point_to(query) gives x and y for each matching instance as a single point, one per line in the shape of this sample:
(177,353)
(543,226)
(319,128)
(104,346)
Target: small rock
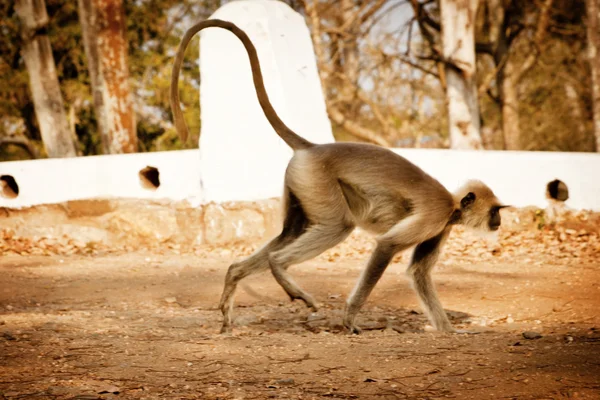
(225,253)
(171,300)
(398,329)
(531,335)
(287,381)
(245,320)
(314,317)
(110,389)
(60,391)
(374,325)
(569,339)
(457,315)
(9,307)
(369,380)
(8,336)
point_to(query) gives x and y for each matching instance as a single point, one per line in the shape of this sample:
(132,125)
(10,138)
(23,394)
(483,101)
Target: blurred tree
(154,28)
(538,86)
(529,60)
(509,36)
(593,38)
(43,80)
(104,38)
(336,30)
(458,52)
(373,90)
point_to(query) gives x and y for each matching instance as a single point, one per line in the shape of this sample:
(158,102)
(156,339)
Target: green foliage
(14,97)
(152,41)
(540,218)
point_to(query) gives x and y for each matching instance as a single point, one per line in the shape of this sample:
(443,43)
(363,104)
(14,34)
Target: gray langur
(329,189)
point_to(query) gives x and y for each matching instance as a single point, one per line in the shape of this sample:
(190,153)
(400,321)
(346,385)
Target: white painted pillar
(242,158)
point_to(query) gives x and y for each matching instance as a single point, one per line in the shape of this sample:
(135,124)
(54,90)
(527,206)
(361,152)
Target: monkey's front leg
(424,258)
(378,262)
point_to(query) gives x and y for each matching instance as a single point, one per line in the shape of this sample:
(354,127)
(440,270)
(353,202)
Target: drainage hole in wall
(9,186)
(557,190)
(149,178)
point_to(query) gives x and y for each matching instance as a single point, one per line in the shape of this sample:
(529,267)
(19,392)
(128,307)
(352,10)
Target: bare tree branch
(355,129)
(540,33)
(376,20)
(325,73)
(22,142)
(489,78)
(406,60)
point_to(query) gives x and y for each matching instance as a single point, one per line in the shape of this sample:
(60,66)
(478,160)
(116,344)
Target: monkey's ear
(467,200)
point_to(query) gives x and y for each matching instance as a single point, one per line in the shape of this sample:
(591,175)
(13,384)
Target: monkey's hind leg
(424,258)
(294,224)
(237,271)
(310,244)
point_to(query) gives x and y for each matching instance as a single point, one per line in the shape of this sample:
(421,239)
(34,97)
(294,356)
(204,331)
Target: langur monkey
(329,189)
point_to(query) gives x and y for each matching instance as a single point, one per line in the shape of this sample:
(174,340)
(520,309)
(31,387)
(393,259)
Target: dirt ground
(144,325)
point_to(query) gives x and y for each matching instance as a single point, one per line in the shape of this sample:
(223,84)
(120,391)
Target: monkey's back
(377,177)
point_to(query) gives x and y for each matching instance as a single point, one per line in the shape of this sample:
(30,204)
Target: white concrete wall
(242,158)
(518,178)
(57,180)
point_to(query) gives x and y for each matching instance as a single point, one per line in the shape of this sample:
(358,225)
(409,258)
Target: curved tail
(292,139)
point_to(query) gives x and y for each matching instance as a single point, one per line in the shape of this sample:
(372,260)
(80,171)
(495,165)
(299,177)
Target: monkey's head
(478,206)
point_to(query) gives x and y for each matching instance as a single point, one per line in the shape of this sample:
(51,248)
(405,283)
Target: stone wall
(147,222)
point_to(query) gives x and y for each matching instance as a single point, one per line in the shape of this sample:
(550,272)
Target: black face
(494,222)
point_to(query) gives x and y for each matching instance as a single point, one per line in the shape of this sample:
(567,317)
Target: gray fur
(330,189)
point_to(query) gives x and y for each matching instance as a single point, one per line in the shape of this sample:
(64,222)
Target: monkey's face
(480,209)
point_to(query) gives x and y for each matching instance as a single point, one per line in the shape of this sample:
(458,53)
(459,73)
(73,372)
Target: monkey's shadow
(294,317)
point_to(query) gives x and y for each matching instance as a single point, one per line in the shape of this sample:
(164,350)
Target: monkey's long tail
(292,139)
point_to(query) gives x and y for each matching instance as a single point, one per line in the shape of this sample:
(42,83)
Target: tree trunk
(103,25)
(87,19)
(593,37)
(511,71)
(509,97)
(577,109)
(458,42)
(43,80)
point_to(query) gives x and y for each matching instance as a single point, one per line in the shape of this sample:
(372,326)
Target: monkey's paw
(225,330)
(308,300)
(352,329)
